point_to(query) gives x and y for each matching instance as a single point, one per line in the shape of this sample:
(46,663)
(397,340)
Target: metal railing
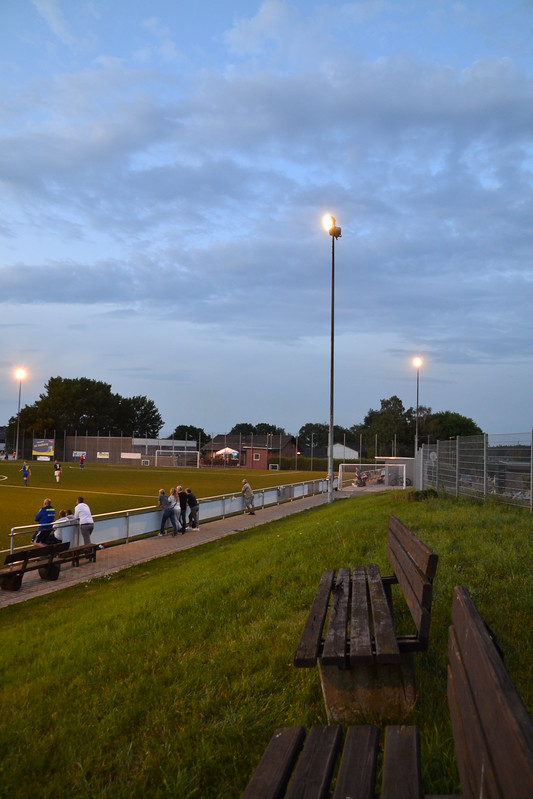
(124,526)
(498,466)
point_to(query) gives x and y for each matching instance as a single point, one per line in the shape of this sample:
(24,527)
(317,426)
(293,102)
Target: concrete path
(122,556)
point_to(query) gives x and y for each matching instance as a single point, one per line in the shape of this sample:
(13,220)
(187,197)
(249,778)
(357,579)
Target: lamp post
(20,374)
(417,363)
(335,232)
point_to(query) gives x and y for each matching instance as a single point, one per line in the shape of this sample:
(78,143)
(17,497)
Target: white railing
(123,526)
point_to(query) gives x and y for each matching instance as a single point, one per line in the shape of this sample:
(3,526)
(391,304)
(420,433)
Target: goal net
(179,458)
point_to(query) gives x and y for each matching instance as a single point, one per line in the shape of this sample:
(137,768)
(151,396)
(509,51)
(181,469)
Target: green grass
(169,678)
(114,488)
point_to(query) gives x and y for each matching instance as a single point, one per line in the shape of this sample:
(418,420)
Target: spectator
(167,507)
(248,495)
(194,509)
(82,514)
(45,518)
(182,496)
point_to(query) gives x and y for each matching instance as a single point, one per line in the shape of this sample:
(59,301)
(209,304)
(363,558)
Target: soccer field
(114,488)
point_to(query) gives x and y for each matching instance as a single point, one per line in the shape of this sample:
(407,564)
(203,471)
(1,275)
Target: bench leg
(368,693)
(11,582)
(50,572)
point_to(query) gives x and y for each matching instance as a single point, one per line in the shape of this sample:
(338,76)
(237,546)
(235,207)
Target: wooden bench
(492,730)
(493,736)
(366,666)
(74,554)
(45,560)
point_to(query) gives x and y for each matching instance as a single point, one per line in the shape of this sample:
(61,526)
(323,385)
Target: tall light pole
(20,374)
(417,363)
(335,232)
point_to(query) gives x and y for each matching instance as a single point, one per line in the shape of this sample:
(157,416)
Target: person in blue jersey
(45,518)
(26,472)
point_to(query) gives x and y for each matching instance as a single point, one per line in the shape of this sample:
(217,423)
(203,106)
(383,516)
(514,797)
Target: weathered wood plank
(312,776)
(360,634)
(311,638)
(506,726)
(419,552)
(385,643)
(357,771)
(271,776)
(402,778)
(335,641)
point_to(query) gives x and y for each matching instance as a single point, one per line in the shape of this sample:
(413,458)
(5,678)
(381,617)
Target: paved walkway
(122,556)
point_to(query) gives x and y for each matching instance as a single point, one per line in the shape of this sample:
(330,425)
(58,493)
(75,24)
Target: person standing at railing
(182,498)
(248,495)
(45,517)
(167,505)
(82,514)
(194,509)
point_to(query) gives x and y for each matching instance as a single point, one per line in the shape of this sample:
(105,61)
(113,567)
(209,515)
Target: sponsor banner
(102,455)
(78,453)
(43,446)
(134,456)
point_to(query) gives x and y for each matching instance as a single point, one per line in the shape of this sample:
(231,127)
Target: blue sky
(164,168)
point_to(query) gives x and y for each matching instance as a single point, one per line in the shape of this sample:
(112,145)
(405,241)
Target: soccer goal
(179,458)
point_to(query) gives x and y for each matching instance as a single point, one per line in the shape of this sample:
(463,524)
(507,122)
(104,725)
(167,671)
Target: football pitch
(108,488)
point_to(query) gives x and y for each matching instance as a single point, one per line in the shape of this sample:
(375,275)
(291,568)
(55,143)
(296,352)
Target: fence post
(437,466)
(485,466)
(531,474)
(457,453)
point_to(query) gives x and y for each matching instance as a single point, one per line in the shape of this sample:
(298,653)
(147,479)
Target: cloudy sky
(164,168)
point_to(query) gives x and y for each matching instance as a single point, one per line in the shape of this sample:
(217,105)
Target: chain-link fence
(499,466)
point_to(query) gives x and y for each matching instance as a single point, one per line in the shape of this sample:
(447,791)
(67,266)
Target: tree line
(70,404)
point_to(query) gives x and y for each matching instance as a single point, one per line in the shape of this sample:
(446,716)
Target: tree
(89,405)
(447,424)
(140,415)
(243,428)
(187,432)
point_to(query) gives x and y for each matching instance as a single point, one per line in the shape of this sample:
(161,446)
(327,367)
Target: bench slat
(386,645)
(312,776)
(311,638)
(506,724)
(357,771)
(360,635)
(271,776)
(334,651)
(417,591)
(420,553)
(401,764)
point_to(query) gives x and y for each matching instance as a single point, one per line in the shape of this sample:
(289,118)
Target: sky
(164,170)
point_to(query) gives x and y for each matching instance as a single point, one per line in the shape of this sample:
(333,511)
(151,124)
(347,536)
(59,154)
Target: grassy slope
(170,677)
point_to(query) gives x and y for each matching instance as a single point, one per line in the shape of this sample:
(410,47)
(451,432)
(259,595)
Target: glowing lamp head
(328,221)
(417,362)
(20,374)
(330,225)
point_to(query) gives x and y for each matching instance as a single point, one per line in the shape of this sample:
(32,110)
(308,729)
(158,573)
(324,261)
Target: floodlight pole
(335,233)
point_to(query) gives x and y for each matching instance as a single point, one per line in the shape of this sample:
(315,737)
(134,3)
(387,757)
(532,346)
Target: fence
(123,526)
(499,466)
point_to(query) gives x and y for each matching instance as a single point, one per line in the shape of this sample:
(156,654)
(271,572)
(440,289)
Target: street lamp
(335,232)
(417,363)
(20,374)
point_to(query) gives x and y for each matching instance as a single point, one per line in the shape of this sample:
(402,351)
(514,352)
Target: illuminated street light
(417,363)
(335,232)
(20,375)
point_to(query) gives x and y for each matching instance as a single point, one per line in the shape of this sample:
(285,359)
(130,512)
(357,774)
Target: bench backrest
(36,553)
(414,566)
(492,730)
